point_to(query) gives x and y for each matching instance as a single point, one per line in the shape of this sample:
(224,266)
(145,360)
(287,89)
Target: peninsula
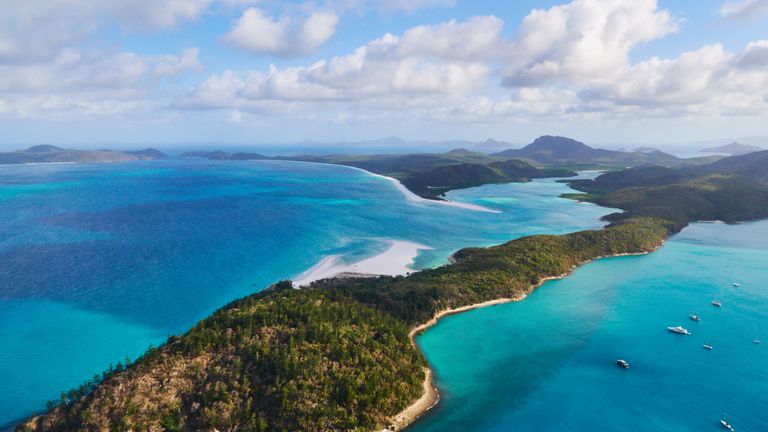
(338,354)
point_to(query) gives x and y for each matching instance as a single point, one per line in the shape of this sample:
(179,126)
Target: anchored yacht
(679,330)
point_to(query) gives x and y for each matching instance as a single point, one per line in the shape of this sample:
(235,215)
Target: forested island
(53,154)
(338,355)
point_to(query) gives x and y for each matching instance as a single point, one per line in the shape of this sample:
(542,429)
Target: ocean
(98,262)
(548,363)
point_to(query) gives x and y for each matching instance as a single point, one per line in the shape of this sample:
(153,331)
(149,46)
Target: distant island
(431,175)
(732,149)
(53,154)
(339,355)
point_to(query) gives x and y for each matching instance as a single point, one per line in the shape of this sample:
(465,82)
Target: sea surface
(548,363)
(98,262)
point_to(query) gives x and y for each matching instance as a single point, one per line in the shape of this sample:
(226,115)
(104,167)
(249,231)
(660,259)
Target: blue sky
(178,72)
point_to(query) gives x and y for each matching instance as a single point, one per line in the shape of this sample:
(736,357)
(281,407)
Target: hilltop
(732,149)
(556,150)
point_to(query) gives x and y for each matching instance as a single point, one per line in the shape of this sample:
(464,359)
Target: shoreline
(430,397)
(395,260)
(412,197)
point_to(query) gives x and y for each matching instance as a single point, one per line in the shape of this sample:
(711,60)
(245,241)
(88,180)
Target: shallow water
(97,262)
(548,363)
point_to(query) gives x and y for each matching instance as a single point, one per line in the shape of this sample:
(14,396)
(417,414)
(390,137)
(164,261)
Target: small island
(53,154)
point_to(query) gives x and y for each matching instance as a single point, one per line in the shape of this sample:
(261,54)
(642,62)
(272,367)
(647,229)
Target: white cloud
(412,5)
(477,38)
(76,84)
(258,33)
(744,9)
(170,65)
(426,60)
(35,30)
(582,41)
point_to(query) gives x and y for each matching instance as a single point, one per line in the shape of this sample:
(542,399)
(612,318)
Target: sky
(177,72)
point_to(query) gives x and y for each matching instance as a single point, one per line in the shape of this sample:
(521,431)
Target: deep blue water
(97,262)
(547,363)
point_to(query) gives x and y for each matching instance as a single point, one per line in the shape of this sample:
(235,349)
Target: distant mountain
(646,149)
(556,150)
(53,154)
(732,149)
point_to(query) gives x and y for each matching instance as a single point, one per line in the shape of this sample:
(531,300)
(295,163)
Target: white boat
(707,346)
(679,330)
(716,303)
(623,364)
(726,425)
(757,340)
(694,317)
(736,284)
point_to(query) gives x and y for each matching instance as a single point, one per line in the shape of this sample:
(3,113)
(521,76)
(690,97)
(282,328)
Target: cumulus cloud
(445,59)
(478,38)
(258,33)
(569,61)
(74,83)
(583,41)
(34,30)
(744,9)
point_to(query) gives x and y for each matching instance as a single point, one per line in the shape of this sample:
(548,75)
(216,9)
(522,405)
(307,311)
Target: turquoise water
(548,363)
(97,262)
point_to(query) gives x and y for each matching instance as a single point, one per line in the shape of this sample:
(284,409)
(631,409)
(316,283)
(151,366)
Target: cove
(548,362)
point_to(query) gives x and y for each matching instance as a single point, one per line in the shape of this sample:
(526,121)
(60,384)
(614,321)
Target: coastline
(430,396)
(412,197)
(394,261)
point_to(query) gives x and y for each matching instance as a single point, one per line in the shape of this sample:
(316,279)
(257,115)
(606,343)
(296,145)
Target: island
(53,154)
(733,149)
(340,354)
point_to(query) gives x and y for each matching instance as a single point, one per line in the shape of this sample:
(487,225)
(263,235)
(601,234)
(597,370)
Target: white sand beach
(396,260)
(412,197)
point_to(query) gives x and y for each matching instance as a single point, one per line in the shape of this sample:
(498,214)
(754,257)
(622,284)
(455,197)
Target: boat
(716,303)
(694,317)
(757,340)
(623,364)
(725,424)
(707,346)
(736,284)
(679,330)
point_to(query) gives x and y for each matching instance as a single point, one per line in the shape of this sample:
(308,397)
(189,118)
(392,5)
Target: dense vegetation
(732,189)
(337,356)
